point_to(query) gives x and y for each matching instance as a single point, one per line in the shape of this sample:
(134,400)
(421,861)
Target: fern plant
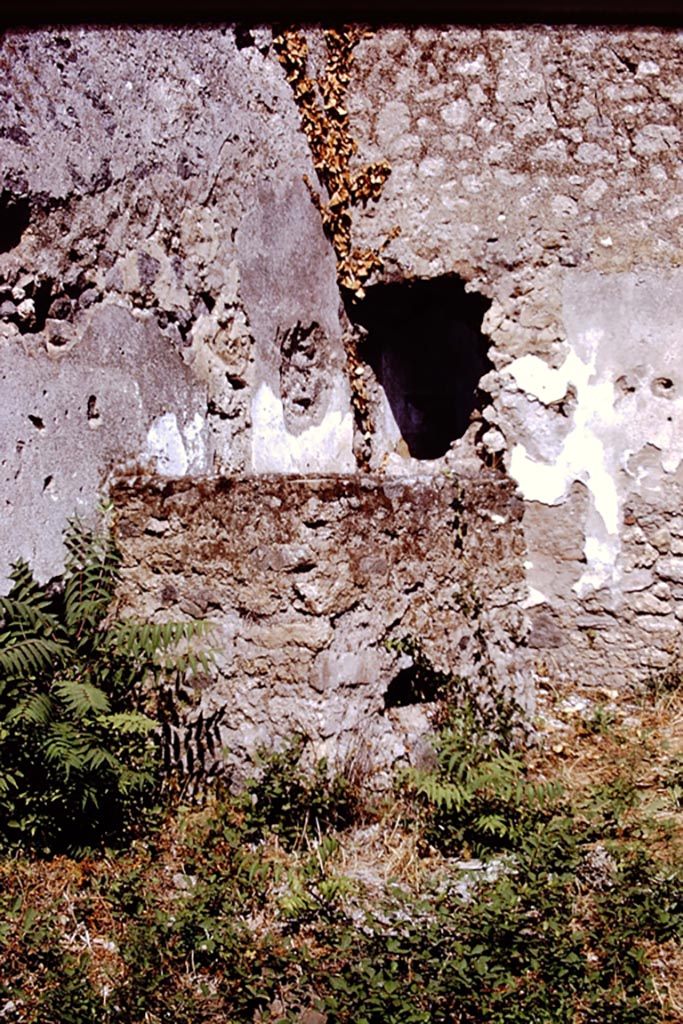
(477,798)
(79,763)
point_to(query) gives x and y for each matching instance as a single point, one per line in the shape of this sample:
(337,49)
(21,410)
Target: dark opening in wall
(418,683)
(426,348)
(15,215)
(410,686)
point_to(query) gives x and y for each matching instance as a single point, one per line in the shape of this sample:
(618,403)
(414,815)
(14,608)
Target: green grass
(298,896)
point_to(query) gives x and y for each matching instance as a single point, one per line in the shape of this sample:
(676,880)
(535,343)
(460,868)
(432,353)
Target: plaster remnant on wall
(534,596)
(584,454)
(322,448)
(53,464)
(624,365)
(174,452)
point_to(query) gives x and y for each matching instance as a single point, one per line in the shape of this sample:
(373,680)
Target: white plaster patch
(194,441)
(600,557)
(582,455)
(165,446)
(624,425)
(534,376)
(175,453)
(387,431)
(537,481)
(325,448)
(533,598)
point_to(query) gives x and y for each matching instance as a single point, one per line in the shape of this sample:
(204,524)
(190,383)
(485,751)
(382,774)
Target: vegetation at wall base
(490,888)
(79,752)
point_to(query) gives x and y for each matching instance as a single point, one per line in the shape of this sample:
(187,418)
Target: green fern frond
(27,655)
(93,564)
(35,708)
(157,643)
(192,662)
(97,757)
(17,613)
(445,795)
(26,610)
(131,781)
(80,698)
(8,783)
(493,825)
(76,749)
(65,747)
(25,588)
(87,548)
(132,640)
(131,723)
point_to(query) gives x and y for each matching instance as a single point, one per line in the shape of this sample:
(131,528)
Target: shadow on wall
(425,345)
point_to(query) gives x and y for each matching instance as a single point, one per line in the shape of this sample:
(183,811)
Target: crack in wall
(325,123)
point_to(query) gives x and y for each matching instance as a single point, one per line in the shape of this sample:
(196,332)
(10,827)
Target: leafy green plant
(212,926)
(78,759)
(667,681)
(476,797)
(600,722)
(674,781)
(290,801)
(311,893)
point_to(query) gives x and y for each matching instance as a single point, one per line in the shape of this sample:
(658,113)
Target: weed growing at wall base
(79,766)
(285,800)
(477,798)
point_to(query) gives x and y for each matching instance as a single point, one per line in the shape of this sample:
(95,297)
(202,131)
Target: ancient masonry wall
(172,329)
(311,581)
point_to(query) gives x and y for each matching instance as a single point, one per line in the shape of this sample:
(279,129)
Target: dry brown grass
(666,963)
(590,739)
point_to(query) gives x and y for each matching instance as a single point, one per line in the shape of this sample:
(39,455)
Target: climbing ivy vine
(326,125)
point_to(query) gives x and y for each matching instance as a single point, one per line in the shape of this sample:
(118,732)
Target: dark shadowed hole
(208,300)
(42,299)
(413,685)
(426,348)
(15,215)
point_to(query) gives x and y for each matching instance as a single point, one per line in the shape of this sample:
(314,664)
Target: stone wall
(309,580)
(543,166)
(169,309)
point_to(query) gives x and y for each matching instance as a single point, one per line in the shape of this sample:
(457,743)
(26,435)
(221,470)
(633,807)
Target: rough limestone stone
(310,578)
